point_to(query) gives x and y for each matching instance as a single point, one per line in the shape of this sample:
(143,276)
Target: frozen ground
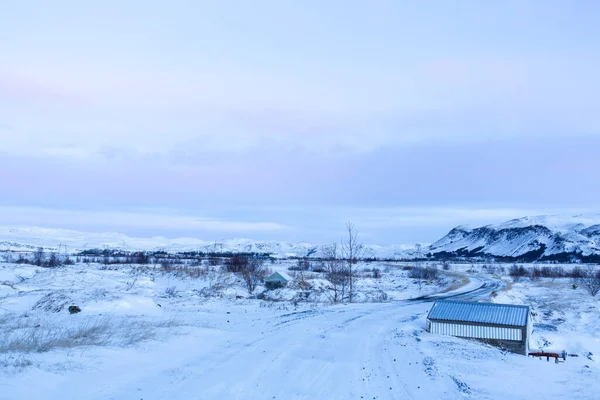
(143,334)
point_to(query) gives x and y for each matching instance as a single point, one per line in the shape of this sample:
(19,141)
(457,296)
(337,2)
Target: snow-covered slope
(30,238)
(527,239)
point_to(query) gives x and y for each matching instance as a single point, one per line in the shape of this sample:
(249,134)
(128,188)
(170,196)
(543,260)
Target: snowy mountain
(543,238)
(30,238)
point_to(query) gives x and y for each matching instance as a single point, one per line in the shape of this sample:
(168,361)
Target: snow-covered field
(146,334)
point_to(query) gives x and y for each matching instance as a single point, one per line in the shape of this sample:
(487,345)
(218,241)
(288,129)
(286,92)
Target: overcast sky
(283,119)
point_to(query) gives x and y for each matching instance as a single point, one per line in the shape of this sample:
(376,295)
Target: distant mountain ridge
(25,238)
(542,238)
(529,239)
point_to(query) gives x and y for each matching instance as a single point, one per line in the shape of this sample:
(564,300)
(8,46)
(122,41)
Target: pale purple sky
(282,120)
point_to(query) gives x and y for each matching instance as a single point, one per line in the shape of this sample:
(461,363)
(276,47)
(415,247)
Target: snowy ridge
(26,238)
(530,238)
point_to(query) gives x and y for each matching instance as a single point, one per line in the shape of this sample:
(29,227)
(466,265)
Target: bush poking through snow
(424,273)
(52,302)
(17,363)
(171,291)
(236,263)
(253,272)
(304,264)
(517,272)
(590,280)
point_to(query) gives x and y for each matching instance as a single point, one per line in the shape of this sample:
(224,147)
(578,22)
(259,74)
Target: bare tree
(352,251)
(106,257)
(337,274)
(253,272)
(53,261)
(39,257)
(590,280)
(237,263)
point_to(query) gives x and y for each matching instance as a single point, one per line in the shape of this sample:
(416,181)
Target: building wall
(513,339)
(476,331)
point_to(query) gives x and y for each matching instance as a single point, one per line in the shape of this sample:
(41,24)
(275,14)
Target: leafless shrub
(209,292)
(380,296)
(236,263)
(424,273)
(53,302)
(591,280)
(215,261)
(446,266)
(166,264)
(553,272)
(376,273)
(535,274)
(517,272)
(183,271)
(304,264)
(472,269)
(577,273)
(52,262)
(171,291)
(22,260)
(39,257)
(493,269)
(16,362)
(253,272)
(337,274)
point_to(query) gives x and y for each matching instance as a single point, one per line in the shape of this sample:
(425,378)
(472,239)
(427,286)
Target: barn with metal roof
(504,325)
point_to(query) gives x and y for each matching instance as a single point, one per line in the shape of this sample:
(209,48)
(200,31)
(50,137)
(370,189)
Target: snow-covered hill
(526,239)
(30,238)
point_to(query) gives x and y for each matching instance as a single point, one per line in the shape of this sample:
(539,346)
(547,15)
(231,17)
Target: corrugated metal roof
(485,313)
(278,277)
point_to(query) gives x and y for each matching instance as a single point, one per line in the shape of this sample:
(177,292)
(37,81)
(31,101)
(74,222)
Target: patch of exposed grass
(27,334)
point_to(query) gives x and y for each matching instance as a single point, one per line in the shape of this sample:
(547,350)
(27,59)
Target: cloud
(148,221)
(234,109)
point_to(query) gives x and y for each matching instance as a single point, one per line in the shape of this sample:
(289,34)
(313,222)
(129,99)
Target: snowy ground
(138,338)
(564,318)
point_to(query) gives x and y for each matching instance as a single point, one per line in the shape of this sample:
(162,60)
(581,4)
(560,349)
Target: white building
(503,325)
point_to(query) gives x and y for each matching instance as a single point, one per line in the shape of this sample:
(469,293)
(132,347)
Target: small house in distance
(277,280)
(502,325)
